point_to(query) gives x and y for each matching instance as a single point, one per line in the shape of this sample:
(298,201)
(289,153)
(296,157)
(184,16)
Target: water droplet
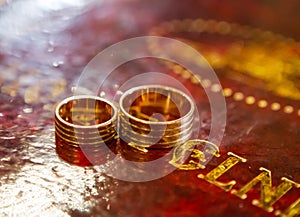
(37,160)
(102,94)
(7,137)
(27,110)
(50,49)
(57,63)
(119,92)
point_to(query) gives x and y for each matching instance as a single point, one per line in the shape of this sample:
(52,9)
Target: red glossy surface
(39,66)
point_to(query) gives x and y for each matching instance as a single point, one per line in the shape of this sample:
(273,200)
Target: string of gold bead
(224,28)
(237,96)
(219,27)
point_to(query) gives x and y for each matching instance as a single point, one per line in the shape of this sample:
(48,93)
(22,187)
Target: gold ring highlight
(83,125)
(155,116)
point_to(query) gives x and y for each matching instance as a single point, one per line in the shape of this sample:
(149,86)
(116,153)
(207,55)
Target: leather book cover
(252,169)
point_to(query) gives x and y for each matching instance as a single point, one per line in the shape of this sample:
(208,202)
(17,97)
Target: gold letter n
(213,175)
(269,194)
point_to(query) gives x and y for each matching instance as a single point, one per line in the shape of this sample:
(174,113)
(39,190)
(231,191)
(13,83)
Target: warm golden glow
(238,96)
(277,63)
(262,103)
(196,79)
(288,109)
(216,88)
(250,100)
(227,92)
(275,106)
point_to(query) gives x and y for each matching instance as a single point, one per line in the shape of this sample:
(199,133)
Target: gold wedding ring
(155,116)
(83,125)
(150,116)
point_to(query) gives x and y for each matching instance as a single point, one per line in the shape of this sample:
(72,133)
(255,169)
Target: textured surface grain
(41,60)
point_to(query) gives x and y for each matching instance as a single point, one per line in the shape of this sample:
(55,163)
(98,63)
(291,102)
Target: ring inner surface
(86,112)
(156,105)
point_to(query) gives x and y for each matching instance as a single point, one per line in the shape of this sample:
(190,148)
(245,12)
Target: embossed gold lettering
(269,194)
(291,211)
(213,175)
(200,157)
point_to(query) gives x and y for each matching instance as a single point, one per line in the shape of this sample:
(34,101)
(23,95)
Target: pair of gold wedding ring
(149,116)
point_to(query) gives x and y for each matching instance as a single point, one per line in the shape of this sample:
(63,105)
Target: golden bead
(275,106)
(238,96)
(177,69)
(250,100)
(227,92)
(196,79)
(223,28)
(288,109)
(206,83)
(199,25)
(216,88)
(186,74)
(262,103)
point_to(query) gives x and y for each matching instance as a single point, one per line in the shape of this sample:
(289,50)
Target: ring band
(156,116)
(83,124)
